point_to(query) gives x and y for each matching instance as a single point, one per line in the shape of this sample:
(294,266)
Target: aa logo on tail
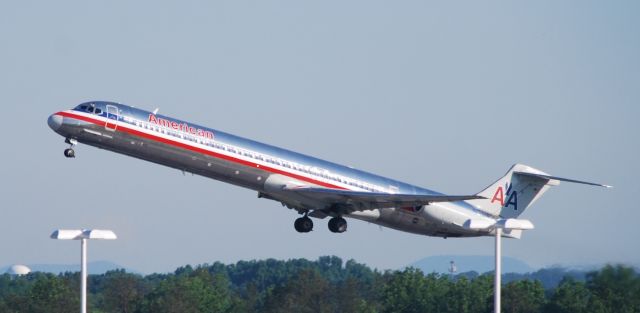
(511,194)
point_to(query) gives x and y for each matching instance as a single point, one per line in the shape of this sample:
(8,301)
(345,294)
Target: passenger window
(90,109)
(98,111)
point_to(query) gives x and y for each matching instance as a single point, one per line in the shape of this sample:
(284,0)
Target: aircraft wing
(347,201)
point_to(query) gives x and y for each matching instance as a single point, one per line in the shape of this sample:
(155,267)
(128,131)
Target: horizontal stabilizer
(478,224)
(512,223)
(549,177)
(509,223)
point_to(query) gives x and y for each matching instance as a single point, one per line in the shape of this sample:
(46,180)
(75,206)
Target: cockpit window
(89,107)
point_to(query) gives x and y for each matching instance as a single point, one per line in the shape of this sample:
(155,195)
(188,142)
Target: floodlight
(83,235)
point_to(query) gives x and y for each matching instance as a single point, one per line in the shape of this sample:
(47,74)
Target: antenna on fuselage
(156,111)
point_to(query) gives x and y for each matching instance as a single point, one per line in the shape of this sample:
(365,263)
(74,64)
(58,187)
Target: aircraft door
(112,116)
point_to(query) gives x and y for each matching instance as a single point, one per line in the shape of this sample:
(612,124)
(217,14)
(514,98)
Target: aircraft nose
(54,121)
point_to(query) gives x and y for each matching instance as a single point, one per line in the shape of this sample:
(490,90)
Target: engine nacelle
(443,214)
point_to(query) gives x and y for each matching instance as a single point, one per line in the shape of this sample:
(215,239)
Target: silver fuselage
(243,162)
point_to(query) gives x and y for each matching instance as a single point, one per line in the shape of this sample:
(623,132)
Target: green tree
(191,292)
(14,291)
(524,296)
(481,294)
(122,292)
(458,297)
(570,296)
(15,285)
(306,292)
(51,294)
(617,288)
(411,291)
(247,301)
(351,296)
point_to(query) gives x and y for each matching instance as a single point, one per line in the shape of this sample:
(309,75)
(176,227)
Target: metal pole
(497,283)
(83,276)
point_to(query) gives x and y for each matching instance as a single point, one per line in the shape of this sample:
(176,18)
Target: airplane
(311,186)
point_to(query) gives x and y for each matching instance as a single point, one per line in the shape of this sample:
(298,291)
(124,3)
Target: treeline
(324,285)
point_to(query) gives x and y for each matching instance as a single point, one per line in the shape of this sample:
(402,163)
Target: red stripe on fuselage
(178,144)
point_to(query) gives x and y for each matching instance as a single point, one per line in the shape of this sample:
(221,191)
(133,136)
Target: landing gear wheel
(69,153)
(337,225)
(303,224)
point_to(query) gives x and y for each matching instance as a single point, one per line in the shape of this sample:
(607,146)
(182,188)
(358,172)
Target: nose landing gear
(69,152)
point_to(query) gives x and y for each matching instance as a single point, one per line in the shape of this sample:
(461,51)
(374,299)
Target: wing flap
(358,200)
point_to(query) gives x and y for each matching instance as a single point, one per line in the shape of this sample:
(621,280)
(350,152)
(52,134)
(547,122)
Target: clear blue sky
(446,95)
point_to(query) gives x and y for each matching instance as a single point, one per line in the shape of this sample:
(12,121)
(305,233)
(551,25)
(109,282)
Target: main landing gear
(69,152)
(305,224)
(337,225)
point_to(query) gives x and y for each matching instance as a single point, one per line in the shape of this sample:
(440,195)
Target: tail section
(517,190)
(514,192)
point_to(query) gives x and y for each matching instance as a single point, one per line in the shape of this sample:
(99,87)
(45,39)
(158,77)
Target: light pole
(83,235)
(509,225)
(497,281)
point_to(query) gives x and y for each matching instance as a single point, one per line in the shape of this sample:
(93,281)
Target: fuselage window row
(318,173)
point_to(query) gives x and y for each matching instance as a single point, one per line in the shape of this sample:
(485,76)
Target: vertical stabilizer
(513,193)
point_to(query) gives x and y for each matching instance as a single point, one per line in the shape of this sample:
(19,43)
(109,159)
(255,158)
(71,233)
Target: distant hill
(97,267)
(469,263)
